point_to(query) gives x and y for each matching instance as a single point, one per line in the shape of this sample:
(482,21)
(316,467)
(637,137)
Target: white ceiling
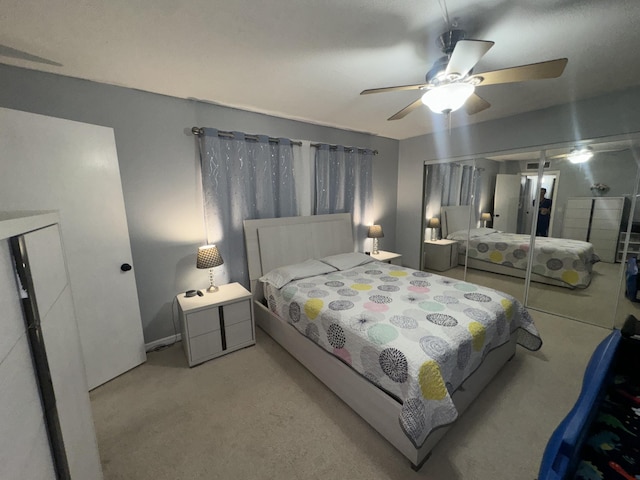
(308,60)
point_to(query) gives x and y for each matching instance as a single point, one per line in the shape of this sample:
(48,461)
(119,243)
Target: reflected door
(507,199)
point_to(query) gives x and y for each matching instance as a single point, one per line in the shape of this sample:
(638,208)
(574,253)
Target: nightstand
(388,257)
(217,323)
(440,255)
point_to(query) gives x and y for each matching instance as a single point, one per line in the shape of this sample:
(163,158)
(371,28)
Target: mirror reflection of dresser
(596,220)
(440,255)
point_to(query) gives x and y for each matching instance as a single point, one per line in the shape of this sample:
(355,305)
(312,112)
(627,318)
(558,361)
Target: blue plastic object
(560,456)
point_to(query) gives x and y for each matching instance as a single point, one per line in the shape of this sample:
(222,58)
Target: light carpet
(258,414)
(595,304)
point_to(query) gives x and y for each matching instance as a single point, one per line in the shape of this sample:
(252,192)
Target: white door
(507,199)
(54,164)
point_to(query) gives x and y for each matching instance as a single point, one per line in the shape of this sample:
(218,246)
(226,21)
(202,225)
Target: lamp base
(434,235)
(212,286)
(375,250)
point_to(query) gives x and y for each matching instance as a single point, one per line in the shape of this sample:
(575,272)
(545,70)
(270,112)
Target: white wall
(159,168)
(598,117)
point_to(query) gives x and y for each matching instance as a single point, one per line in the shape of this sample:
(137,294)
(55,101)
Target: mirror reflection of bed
(578,214)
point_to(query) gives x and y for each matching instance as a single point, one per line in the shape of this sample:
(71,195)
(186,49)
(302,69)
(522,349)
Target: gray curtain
(447,184)
(467,185)
(243,179)
(344,184)
(440,187)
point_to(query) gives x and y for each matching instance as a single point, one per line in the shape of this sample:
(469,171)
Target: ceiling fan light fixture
(580,155)
(448,97)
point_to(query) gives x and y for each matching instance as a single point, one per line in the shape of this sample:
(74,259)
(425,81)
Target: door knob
(125,267)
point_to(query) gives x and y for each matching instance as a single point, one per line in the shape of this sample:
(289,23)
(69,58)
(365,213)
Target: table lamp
(375,232)
(485,217)
(434,224)
(209,257)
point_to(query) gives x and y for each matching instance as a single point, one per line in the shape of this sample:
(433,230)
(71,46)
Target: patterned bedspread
(416,335)
(569,261)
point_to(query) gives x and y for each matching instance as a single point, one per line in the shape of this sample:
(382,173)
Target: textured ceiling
(308,60)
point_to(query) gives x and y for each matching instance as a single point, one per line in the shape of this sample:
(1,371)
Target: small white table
(388,257)
(216,323)
(440,255)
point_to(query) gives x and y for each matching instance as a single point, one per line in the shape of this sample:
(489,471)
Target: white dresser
(216,323)
(596,220)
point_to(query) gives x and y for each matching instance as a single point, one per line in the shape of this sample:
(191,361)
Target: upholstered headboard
(454,219)
(274,242)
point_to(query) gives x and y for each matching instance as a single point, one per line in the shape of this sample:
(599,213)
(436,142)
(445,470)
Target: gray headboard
(454,219)
(274,242)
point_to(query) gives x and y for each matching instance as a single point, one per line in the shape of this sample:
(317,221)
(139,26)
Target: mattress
(568,261)
(414,334)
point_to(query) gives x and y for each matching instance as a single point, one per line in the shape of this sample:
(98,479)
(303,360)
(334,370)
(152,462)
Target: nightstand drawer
(237,312)
(203,321)
(239,333)
(205,346)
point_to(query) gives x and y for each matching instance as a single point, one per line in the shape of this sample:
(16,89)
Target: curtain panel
(344,184)
(243,179)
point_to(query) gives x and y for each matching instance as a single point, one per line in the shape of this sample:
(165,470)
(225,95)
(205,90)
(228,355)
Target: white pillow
(279,277)
(473,233)
(345,261)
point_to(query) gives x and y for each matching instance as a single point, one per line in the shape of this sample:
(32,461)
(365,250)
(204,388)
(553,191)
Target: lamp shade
(209,257)
(485,217)
(375,231)
(448,97)
(433,223)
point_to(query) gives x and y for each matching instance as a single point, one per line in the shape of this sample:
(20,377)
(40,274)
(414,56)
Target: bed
(557,261)
(275,243)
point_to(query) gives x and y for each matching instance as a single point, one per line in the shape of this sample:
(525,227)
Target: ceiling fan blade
(406,110)
(522,73)
(475,104)
(394,89)
(466,54)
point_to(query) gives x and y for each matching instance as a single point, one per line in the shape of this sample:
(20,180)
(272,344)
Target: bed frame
(455,219)
(271,243)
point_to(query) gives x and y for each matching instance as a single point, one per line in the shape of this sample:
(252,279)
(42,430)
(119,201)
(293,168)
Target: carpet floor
(595,304)
(258,414)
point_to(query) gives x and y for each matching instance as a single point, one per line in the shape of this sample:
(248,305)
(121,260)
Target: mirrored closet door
(542,226)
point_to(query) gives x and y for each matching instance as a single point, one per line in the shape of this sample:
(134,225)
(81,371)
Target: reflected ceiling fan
(451,83)
(585,153)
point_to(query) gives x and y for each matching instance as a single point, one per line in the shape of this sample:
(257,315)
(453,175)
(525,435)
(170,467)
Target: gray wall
(160,171)
(598,117)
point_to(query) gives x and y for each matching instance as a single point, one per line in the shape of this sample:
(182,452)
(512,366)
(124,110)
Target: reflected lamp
(485,217)
(209,257)
(375,232)
(434,225)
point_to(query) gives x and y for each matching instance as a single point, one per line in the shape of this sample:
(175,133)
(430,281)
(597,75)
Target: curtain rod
(334,147)
(199,131)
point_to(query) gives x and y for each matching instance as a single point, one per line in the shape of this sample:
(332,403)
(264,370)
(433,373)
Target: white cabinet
(388,257)
(634,246)
(45,410)
(440,255)
(216,323)
(595,220)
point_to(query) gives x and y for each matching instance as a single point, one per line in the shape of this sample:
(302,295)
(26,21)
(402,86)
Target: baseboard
(162,342)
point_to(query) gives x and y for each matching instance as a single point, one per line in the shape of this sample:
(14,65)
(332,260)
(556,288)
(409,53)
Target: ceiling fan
(451,83)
